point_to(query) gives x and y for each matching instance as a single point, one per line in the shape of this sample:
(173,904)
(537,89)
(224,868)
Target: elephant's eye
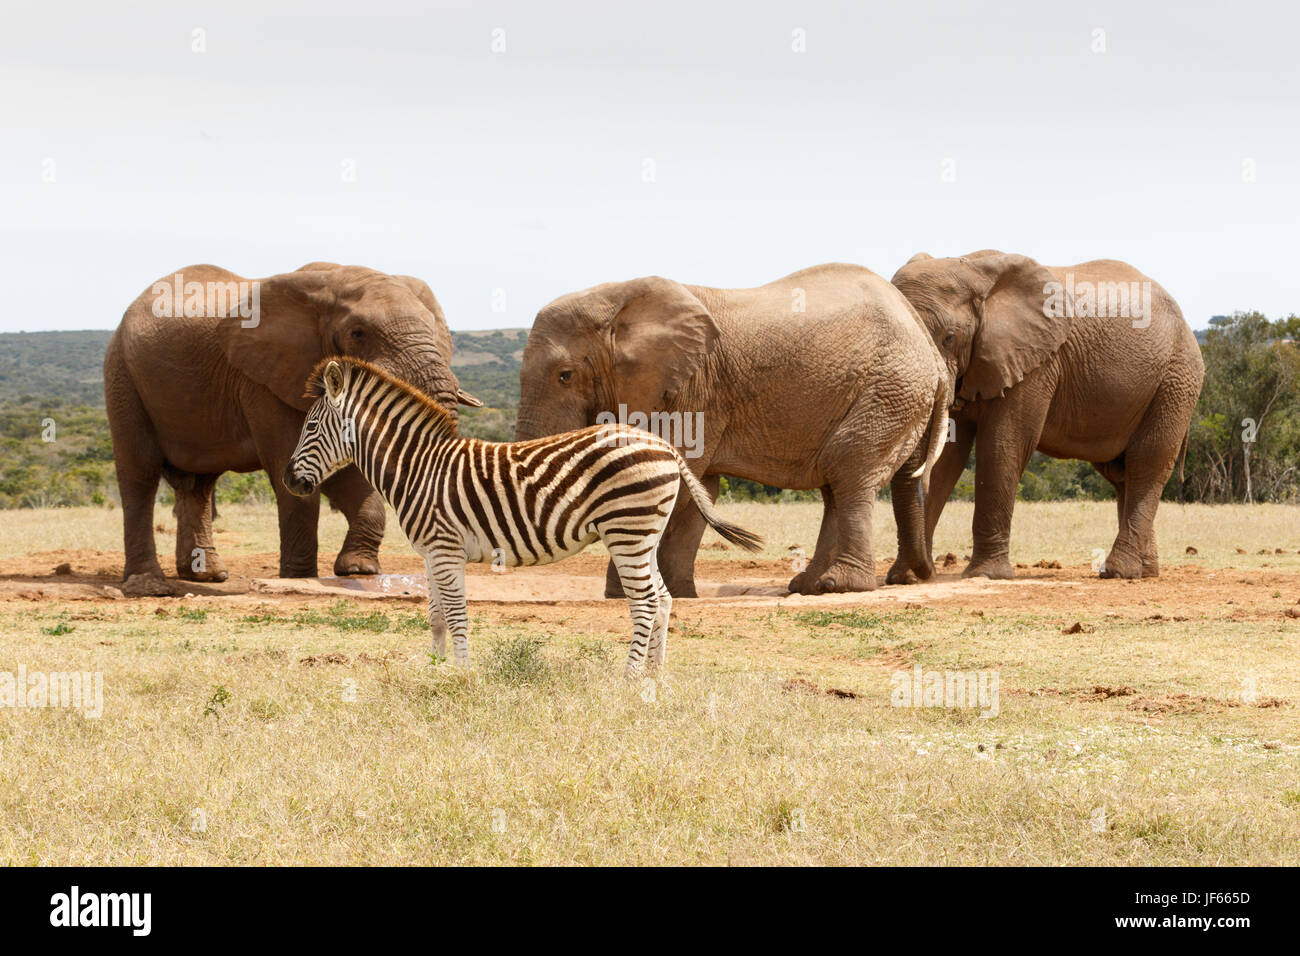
(357,334)
(565,376)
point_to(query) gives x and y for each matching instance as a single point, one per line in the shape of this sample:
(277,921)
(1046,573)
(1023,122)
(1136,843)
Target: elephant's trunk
(527,427)
(538,415)
(423,366)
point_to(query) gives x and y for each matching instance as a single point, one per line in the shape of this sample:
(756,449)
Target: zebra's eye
(565,376)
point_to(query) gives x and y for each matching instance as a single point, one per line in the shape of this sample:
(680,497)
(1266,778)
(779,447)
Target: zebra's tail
(733,533)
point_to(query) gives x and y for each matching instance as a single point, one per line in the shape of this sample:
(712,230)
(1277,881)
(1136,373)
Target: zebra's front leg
(437,621)
(448,570)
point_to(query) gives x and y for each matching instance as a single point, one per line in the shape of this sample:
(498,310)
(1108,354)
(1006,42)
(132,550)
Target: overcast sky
(611,140)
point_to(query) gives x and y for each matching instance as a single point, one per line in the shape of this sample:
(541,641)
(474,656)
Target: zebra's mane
(438,415)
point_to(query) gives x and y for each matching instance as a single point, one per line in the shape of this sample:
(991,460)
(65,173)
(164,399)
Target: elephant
(1092,361)
(206,374)
(823,379)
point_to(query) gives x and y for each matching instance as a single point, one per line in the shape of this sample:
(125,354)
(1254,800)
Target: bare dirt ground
(577,584)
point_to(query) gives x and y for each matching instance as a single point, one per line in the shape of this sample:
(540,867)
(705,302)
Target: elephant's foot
(1121,565)
(805,582)
(297,569)
(681,588)
(905,572)
(997,569)
(212,569)
(839,578)
(148,584)
(356,562)
(900,573)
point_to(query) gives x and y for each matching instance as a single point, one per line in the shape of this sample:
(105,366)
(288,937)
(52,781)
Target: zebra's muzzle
(297,486)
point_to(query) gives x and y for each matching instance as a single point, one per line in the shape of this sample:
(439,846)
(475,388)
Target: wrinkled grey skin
(191,397)
(835,397)
(1091,387)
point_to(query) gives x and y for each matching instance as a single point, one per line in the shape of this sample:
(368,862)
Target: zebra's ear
(334,382)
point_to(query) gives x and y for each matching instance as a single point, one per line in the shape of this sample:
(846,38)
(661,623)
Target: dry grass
(341,743)
(1065,531)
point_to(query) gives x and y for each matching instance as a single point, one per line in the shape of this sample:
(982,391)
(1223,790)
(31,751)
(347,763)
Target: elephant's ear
(919,257)
(1019,327)
(280,344)
(661,336)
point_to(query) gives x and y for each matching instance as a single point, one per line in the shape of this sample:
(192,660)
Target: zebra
(513,503)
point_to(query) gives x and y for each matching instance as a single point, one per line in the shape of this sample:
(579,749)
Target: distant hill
(66,368)
(487,364)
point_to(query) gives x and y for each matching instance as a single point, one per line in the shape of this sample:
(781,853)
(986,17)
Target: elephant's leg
(1008,436)
(138,461)
(853,567)
(1113,471)
(364,508)
(299,517)
(1149,459)
(908,499)
(196,556)
(1133,554)
(805,582)
(677,548)
(138,486)
(943,478)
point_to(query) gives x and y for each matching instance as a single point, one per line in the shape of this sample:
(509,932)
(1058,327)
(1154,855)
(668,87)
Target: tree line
(1243,445)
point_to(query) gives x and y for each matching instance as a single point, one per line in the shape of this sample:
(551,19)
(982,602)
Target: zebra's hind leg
(635,573)
(658,648)
(437,621)
(448,570)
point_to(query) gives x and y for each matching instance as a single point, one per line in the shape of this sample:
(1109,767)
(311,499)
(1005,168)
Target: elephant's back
(842,331)
(1104,280)
(836,294)
(155,322)
(1114,361)
(173,361)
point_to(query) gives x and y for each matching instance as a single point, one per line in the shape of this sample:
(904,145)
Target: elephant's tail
(938,427)
(733,533)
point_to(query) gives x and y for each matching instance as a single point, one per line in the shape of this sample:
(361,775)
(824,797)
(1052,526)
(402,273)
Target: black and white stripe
(515,503)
